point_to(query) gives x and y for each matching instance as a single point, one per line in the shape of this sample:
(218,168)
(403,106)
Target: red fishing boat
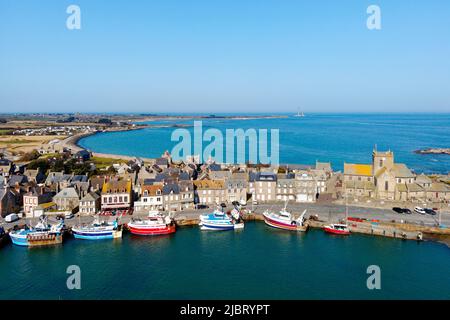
(155,224)
(337,228)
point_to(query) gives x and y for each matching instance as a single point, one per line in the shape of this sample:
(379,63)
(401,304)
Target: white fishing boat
(98,230)
(285,220)
(220,221)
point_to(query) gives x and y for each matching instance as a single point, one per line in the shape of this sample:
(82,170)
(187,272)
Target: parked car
(60,217)
(430,211)
(407,211)
(12,217)
(68,215)
(420,210)
(397,209)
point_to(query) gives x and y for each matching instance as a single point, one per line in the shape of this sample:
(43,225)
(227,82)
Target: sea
(258,262)
(335,138)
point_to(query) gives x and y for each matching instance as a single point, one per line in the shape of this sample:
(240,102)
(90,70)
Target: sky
(224,56)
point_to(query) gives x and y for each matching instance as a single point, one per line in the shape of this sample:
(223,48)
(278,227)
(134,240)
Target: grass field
(103,163)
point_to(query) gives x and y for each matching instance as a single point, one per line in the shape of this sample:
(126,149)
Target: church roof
(402,171)
(358,169)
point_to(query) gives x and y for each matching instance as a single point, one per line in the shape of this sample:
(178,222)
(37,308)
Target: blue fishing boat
(220,221)
(42,234)
(98,230)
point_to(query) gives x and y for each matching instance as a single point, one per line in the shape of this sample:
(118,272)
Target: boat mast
(346,207)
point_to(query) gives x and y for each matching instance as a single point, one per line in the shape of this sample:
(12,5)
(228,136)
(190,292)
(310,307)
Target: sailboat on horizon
(299,114)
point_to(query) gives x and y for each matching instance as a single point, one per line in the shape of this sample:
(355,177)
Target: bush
(29,156)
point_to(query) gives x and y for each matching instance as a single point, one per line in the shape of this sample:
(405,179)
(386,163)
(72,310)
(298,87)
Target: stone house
(34,197)
(262,186)
(237,187)
(151,198)
(67,199)
(210,192)
(90,203)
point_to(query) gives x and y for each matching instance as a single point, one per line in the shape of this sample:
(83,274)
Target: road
(326,212)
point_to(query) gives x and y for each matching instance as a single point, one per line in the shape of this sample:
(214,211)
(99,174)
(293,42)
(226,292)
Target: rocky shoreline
(433,151)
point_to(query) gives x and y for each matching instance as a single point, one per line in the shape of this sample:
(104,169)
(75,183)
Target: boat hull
(284,226)
(216,227)
(334,231)
(36,241)
(97,235)
(151,231)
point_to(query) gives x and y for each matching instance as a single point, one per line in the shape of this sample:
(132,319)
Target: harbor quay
(375,222)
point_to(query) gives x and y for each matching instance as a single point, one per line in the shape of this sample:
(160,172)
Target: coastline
(72,144)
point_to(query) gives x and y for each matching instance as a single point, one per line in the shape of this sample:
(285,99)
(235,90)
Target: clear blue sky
(224,56)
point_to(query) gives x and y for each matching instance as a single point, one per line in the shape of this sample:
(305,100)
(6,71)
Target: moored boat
(98,230)
(155,224)
(220,221)
(43,234)
(285,220)
(337,228)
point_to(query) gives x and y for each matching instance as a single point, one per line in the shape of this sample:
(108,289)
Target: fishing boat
(98,230)
(155,224)
(42,234)
(220,221)
(337,228)
(285,220)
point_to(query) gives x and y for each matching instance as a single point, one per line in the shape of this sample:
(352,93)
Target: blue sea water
(337,138)
(257,262)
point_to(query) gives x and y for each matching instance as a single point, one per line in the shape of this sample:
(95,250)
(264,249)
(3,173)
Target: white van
(11,217)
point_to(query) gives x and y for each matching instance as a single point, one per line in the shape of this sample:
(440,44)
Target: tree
(29,156)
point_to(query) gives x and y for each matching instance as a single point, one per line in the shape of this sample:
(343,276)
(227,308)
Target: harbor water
(258,262)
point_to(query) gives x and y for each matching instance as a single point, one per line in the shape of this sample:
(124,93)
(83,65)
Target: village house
(236,186)
(6,167)
(57,181)
(96,183)
(67,199)
(286,187)
(151,198)
(262,186)
(306,189)
(36,175)
(90,203)
(186,194)
(210,192)
(171,197)
(9,201)
(34,197)
(117,195)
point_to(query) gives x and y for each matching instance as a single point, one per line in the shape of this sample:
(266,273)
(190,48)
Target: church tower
(382,159)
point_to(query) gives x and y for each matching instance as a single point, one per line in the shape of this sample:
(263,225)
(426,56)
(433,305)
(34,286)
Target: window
(386,185)
(381,163)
